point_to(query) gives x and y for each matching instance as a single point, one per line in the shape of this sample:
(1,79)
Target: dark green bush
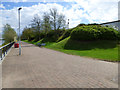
(51,33)
(82,24)
(107,33)
(118,36)
(84,33)
(65,35)
(94,32)
(52,36)
(42,35)
(60,32)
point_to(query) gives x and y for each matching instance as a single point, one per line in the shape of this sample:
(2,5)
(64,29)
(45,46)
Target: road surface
(44,68)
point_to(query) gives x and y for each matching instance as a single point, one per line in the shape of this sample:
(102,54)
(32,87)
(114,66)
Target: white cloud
(27,13)
(1,6)
(32,1)
(13,0)
(101,10)
(94,11)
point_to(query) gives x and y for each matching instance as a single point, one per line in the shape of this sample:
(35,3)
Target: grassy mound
(105,50)
(59,45)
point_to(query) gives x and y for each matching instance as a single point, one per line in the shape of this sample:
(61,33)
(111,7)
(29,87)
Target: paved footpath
(44,68)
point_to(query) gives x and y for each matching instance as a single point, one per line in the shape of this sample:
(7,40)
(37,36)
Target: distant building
(113,24)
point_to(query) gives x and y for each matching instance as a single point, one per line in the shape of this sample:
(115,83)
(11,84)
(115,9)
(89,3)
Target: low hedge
(94,32)
(107,33)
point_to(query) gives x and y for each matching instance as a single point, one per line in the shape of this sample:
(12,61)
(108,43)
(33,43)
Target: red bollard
(16,45)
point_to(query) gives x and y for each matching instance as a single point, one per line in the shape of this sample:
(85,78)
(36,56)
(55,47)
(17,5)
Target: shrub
(60,32)
(94,32)
(118,36)
(52,36)
(51,33)
(84,33)
(42,35)
(65,35)
(107,33)
(82,24)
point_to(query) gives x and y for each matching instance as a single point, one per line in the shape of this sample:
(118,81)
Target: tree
(58,20)
(61,21)
(46,22)
(27,34)
(36,25)
(8,33)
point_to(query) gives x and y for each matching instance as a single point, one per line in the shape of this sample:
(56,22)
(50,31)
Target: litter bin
(16,45)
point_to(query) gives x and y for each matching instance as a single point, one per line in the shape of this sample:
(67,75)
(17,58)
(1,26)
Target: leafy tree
(46,22)
(28,34)
(57,20)
(8,33)
(36,25)
(52,22)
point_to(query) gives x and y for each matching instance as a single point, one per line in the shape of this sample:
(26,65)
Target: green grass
(106,55)
(104,50)
(29,41)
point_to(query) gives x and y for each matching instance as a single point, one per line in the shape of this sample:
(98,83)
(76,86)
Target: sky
(77,11)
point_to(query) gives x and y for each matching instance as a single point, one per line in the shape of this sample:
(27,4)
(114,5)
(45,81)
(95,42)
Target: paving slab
(44,68)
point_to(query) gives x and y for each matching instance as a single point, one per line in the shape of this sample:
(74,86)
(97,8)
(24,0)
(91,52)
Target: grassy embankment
(104,50)
(92,41)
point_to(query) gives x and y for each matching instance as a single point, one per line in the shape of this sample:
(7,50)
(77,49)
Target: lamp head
(20,8)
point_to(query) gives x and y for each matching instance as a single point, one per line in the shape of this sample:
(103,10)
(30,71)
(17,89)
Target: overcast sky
(78,11)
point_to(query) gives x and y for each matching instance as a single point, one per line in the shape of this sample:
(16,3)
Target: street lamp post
(19,31)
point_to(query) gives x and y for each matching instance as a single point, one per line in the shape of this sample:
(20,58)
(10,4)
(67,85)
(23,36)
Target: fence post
(4,50)
(1,53)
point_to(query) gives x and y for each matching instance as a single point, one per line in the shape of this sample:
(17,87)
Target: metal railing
(4,50)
